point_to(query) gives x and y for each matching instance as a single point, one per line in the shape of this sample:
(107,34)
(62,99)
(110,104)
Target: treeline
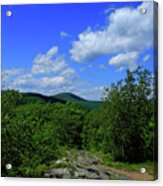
(125,124)
(34,135)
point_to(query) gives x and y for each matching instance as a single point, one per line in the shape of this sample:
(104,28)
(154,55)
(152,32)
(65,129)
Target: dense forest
(37,130)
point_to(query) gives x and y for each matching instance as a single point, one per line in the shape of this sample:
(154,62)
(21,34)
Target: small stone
(64,159)
(58,161)
(46,175)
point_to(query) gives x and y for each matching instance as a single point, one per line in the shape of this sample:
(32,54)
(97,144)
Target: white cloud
(64,34)
(125,60)
(8,74)
(54,81)
(12,72)
(127,30)
(44,85)
(42,65)
(146,58)
(50,62)
(40,82)
(52,51)
(46,63)
(67,72)
(49,74)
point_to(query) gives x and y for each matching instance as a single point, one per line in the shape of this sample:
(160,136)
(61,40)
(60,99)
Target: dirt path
(132,175)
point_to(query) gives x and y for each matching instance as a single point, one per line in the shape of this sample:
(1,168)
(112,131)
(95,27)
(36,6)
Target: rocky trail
(80,164)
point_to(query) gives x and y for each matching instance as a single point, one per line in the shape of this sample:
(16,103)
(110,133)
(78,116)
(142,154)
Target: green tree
(69,119)
(95,131)
(130,116)
(28,136)
(10,100)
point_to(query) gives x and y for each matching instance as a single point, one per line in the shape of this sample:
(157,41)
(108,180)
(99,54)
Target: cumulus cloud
(127,30)
(44,85)
(40,82)
(51,52)
(49,62)
(49,74)
(68,72)
(8,74)
(43,65)
(125,60)
(11,72)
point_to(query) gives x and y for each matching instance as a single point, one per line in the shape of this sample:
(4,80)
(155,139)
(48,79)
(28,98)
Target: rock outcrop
(80,164)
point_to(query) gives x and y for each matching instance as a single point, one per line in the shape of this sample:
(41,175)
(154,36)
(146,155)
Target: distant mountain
(85,104)
(35,97)
(62,98)
(68,97)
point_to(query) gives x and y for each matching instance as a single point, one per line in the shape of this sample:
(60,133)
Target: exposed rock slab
(80,165)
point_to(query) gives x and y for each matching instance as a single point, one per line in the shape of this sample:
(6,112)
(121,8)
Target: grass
(109,161)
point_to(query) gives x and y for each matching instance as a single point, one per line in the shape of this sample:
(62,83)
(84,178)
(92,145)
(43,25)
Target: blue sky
(78,48)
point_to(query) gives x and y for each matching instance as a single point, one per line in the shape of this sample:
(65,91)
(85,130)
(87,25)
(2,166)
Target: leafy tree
(35,132)
(69,120)
(28,137)
(130,116)
(95,131)
(10,100)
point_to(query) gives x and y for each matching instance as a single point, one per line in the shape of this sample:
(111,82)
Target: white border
(59,1)
(41,182)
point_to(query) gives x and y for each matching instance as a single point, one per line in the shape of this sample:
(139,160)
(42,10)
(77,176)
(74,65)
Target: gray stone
(60,173)
(83,165)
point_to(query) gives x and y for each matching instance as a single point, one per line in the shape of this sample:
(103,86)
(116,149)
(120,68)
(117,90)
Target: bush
(69,120)
(95,131)
(35,134)
(28,138)
(32,134)
(130,104)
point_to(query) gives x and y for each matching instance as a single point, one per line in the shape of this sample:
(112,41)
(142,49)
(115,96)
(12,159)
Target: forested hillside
(38,130)
(27,98)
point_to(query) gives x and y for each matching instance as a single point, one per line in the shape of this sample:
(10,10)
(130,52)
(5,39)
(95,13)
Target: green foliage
(131,117)
(37,130)
(28,137)
(32,134)
(78,101)
(69,121)
(95,131)
(108,160)
(11,99)
(28,98)
(35,172)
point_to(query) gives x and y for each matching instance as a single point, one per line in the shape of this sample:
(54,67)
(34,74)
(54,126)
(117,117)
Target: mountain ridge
(64,97)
